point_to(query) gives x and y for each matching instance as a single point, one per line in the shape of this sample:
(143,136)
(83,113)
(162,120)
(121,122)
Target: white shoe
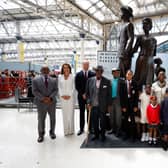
(147,137)
(155,142)
(149,142)
(143,137)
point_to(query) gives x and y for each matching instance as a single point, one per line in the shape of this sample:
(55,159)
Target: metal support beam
(6,30)
(82,10)
(52,15)
(113,5)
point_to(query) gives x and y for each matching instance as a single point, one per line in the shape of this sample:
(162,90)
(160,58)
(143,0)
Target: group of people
(122,97)
(118,97)
(45,88)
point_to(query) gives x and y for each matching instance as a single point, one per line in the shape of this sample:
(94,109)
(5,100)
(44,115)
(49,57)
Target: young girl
(164,120)
(144,102)
(153,117)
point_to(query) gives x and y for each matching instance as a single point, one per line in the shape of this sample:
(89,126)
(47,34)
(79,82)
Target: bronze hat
(127,9)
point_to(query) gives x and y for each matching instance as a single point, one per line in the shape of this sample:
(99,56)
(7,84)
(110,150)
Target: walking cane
(87,135)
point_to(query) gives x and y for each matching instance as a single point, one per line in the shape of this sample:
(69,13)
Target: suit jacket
(80,81)
(40,91)
(104,96)
(124,94)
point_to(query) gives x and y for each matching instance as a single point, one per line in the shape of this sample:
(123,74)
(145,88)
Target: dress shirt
(114,87)
(129,88)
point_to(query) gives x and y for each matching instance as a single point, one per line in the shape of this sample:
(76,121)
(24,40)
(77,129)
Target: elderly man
(98,94)
(115,113)
(80,84)
(45,90)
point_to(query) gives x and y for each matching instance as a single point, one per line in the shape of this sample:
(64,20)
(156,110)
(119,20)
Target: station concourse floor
(19,147)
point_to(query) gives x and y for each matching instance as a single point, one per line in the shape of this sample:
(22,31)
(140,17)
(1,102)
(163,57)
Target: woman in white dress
(66,92)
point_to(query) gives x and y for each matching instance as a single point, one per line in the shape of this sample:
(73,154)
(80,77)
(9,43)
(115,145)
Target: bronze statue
(126,40)
(144,70)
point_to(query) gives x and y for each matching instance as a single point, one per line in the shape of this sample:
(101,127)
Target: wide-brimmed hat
(98,67)
(115,69)
(127,9)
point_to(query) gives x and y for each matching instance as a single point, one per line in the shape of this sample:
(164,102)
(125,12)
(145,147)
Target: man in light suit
(45,90)
(98,94)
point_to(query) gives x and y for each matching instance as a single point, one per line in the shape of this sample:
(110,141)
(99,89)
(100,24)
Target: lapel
(49,82)
(42,83)
(89,74)
(82,75)
(94,83)
(126,87)
(101,84)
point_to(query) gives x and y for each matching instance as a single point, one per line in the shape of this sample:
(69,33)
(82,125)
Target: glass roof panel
(94,1)
(99,15)
(100,4)
(92,9)
(142,7)
(85,4)
(6,4)
(43,2)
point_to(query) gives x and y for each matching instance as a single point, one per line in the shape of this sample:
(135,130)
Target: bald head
(85,65)
(45,70)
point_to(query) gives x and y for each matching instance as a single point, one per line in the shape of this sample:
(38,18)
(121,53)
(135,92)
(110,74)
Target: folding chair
(23,101)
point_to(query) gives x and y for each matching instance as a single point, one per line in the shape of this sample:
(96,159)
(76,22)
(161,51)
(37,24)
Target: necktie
(46,82)
(85,75)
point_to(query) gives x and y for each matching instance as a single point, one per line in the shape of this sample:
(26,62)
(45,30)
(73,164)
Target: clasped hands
(47,100)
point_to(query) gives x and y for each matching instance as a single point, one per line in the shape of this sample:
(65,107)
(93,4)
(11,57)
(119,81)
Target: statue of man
(126,40)
(144,70)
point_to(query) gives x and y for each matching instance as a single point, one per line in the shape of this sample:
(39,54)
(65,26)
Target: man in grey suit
(98,94)
(45,90)
(115,112)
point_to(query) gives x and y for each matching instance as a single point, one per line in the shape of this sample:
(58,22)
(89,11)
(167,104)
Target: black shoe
(118,134)
(132,139)
(80,132)
(125,137)
(94,138)
(91,131)
(164,145)
(103,138)
(40,139)
(52,136)
(110,132)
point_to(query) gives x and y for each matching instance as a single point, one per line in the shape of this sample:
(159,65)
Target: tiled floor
(19,148)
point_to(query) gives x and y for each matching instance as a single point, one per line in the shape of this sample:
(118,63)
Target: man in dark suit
(45,90)
(98,94)
(129,105)
(80,84)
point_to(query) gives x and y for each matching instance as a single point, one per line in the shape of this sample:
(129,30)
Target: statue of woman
(144,70)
